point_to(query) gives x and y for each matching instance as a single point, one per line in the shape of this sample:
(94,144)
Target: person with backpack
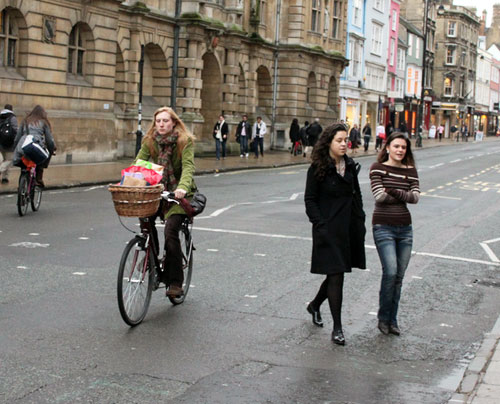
(8,131)
(38,126)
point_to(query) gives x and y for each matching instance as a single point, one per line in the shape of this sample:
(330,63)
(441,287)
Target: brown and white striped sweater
(393,188)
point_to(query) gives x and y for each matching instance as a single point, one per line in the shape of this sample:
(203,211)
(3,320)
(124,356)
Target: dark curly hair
(408,159)
(321,159)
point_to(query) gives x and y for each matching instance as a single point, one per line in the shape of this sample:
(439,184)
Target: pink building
(392,53)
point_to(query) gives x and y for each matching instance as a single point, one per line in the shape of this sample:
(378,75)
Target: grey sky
(480,6)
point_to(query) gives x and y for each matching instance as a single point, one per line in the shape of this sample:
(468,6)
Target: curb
(475,372)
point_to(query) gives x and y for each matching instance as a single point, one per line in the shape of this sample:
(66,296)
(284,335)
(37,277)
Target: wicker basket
(136,201)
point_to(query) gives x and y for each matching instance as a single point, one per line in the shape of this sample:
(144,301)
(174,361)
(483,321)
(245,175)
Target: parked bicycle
(141,269)
(28,192)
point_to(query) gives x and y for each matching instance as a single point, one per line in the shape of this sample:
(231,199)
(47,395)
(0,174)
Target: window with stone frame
(337,19)
(379,5)
(452,28)
(315,15)
(355,54)
(376,39)
(401,59)
(392,51)
(462,88)
(76,51)
(357,15)
(451,51)
(448,87)
(9,39)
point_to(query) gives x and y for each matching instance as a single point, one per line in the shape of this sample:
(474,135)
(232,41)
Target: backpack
(7,133)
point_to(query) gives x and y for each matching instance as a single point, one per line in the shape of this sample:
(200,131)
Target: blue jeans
(394,245)
(218,145)
(243,144)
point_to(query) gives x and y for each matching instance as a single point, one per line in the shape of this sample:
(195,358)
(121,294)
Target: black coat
(223,131)
(294,132)
(335,208)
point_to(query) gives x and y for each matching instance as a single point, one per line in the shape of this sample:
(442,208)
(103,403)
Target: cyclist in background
(169,143)
(36,124)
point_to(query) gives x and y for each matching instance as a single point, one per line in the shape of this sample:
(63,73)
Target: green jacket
(184,170)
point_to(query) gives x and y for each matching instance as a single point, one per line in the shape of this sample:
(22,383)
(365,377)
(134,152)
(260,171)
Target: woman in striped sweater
(394,183)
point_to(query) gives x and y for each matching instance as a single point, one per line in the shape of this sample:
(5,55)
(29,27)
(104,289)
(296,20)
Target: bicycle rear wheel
(22,194)
(36,198)
(135,282)
(187,264)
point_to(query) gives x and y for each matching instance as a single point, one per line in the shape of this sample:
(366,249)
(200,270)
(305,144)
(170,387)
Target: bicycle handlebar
(169,197)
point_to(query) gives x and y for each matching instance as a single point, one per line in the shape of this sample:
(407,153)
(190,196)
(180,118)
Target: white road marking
(442,197)
(34,234)
(417,277)
(283,236)
(252,296)
(92,188)
(489,251)
(259,255)
(212,249)
(83,238)
(80,273)
(437,165)
(445,325)
(456,161)
(28,244)
(372,313)
(21,267)
(295,196)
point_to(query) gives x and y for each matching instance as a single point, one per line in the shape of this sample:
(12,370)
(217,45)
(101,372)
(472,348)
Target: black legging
(173,262)
(331,289)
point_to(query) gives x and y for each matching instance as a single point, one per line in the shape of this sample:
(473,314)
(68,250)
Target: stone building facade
(455,66)
(79,59)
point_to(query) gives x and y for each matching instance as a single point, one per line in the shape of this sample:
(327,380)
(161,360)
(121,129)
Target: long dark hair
(321,153)
(408,159)
(38,114)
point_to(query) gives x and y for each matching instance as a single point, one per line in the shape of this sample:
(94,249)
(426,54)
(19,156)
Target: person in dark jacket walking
(220,135)
(36,124)
(354,138)
(367,136)
(8,121)
(313,132)
(243,133)
(294,135)
(303,137)
(335,209)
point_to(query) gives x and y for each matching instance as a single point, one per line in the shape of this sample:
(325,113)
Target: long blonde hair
(179,127)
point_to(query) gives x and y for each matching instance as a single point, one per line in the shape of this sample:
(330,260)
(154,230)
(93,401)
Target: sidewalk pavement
(72,175)
(481,381)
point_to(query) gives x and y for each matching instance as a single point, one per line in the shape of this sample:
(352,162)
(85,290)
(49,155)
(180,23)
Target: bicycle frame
(150,248)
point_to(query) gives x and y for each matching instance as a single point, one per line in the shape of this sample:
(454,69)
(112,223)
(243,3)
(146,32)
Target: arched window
(76,51)
(9,39)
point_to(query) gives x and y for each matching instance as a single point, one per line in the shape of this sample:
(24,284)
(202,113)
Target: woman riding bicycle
(169,143)
(36,124)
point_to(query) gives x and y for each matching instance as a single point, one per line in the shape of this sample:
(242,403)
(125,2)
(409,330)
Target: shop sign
(400,107)
(428,99)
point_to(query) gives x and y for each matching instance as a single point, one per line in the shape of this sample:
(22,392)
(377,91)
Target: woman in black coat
(335,208)
(294,135)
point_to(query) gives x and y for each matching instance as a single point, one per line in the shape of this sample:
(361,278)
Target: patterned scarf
(165,146)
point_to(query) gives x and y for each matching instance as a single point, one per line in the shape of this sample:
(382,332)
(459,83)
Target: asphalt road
(243,335)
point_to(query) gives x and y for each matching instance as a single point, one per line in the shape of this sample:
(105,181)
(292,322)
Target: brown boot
(39,177)
(174,291)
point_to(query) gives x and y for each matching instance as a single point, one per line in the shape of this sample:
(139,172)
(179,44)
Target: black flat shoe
(383,327)
(338,337)
(316,316)
(394,329)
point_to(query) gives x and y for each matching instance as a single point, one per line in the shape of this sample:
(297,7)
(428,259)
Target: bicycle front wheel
(22,194)
(135,282)
(187,264)
(36,198)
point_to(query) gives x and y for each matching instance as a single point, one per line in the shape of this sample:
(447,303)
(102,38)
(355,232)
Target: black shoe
(383,327)
(338,337)
(316,316)
(394,329)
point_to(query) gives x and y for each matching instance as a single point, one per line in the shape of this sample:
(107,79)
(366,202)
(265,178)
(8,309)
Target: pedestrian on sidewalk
(314,132)
(303,138)
(403,128)
(8,132)
(169,143)
(38,125)
(367,136)
(294,136)
(354,138)
(454,132)
(335,209)
(259,130)
(394,183)
(379,136)
(440,131)
(221,131)
(243,132)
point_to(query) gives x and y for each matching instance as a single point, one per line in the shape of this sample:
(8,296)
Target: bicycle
(141,270)
(28,192)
